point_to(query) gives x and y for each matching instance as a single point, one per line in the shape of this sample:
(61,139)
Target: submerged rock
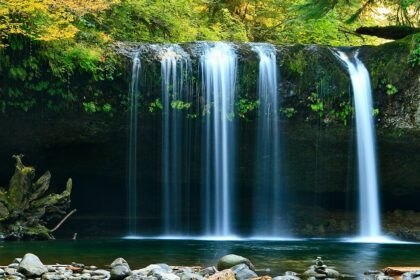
(119,269)
(231,260)
(31,266)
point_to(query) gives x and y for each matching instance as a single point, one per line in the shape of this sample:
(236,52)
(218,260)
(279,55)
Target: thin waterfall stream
(132,146)
(267,214)
(369,209)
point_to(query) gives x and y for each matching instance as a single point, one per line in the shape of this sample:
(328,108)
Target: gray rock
(85,276)
(384,277)
(13,277)
(100,274)
(183,270)
(2,272)
(286,277)
(208,271)
(13,265)
(329,273)
(332,273)
(231,260)
(17,260)
(162,274)
(31,266)
(147,269)
(10,271)
(191,276)
(53,276)
(140,277)
(136,276)
(411,275)
(119,269)
(242,272)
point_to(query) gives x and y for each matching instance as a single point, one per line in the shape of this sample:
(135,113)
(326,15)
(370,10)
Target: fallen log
(388,32)
(399,270)
(26,207)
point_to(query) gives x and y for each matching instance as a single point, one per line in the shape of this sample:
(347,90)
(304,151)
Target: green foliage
(298,63)
(155,105)
(343,112)
(375,112)
(245,106)
(90,107)
(288,112)
(391,89)
(180,105)
(414,58)
(316,104)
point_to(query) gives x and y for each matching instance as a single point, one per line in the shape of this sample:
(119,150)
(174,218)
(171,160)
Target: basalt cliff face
(317,131)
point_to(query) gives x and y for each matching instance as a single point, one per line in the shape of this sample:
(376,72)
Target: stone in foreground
(231,260)
(31,266)
(226,274)
(120,269)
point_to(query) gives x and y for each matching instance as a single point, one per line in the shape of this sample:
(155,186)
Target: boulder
(119,269)
(226,274)
(31,266)
(163,274)
(231,260)
(242,272)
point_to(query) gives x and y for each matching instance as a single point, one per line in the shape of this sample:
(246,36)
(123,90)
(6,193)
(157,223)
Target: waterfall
(132,146)
(267,197)
(369,215)
(175,72)
(218,66)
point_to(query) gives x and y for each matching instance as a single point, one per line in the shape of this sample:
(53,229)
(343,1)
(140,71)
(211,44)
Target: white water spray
(218,66)
(369,213)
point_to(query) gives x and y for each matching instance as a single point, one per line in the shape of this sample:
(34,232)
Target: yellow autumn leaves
(47,20)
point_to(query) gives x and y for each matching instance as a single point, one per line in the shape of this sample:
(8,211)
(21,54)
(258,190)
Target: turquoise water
(278,256)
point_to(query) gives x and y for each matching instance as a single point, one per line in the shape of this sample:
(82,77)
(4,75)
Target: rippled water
(278,256)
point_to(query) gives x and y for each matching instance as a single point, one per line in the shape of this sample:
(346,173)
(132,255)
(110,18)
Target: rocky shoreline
(229,267)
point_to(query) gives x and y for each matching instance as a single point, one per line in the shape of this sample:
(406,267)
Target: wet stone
(208,271)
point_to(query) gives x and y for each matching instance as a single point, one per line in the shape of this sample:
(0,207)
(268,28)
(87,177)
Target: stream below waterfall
(278,256)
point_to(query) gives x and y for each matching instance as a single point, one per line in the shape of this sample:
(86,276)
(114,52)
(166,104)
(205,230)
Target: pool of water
(277,256)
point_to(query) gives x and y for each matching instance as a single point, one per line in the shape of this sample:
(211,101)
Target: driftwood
(26,207)
(399,270)
(388,32)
